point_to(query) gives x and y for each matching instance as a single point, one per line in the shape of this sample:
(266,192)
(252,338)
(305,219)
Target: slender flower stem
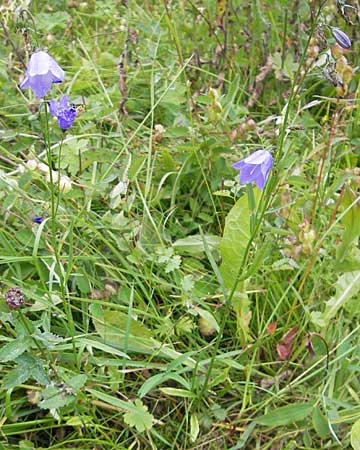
(295,87)
(228,298)
(58,171)
(54,208)
(264,202)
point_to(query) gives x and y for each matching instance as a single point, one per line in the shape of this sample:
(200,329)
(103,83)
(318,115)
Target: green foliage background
(161,293)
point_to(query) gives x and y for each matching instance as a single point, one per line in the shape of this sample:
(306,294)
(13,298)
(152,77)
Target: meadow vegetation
(151,298)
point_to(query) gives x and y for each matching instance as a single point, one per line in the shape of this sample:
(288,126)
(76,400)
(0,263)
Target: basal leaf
(112,330)
(140,418)
(286,415)
(136,414)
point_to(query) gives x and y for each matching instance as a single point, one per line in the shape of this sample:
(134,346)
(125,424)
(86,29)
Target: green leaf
(53,398)
(136,414)
(207,316)
(141,419)
(241,305)
(235,240)
(15,377)
(77,382)
(93,343)
(320,423)
(160,378)
(70,154)
(286,415)
(173,263)
(346,286)
(28,367)
(15,348)
(194,427)
(47,339)
(194,244)
(82,282)
(111,326)
(233,247)
(351,220)
(355,435)
(26,445)
(175,392)
(114,401)
(35,366)
(56,20)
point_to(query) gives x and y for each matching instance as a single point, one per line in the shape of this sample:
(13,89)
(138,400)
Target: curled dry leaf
(271,328)
(284,348)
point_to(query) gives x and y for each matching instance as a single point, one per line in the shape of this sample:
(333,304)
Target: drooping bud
(341,38)
(32,164)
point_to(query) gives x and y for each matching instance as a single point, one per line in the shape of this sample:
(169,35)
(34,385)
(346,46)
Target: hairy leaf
(15,348)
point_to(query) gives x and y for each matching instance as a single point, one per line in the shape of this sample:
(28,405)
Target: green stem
(54,208)
(264,202)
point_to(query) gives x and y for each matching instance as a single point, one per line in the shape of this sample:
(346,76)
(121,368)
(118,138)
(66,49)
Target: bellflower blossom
(41,72)
(341,38)
(255,167)
(63,111)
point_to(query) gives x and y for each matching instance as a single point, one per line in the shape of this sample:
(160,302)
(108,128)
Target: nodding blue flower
(255,167)
(341,38)
(41,72)
(38,219)
(63,111)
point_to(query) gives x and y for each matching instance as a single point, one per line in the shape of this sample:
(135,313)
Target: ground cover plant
(179,225)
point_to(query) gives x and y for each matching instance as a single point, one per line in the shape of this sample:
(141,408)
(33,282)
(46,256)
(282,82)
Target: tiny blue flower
(63,111)
(41,72)
(341,38)
(38,219)
(255,167)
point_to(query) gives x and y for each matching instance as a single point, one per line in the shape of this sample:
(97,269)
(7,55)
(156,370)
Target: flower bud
(206,328)
(32,164)
(43,167)
(65,184)
(21,168)
(55,176)
(341,38)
